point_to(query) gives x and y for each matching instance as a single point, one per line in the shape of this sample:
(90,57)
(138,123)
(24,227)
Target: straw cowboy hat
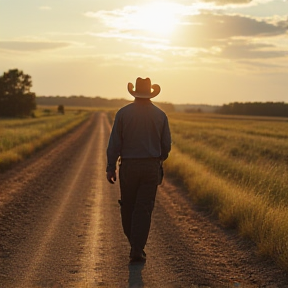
(143,88)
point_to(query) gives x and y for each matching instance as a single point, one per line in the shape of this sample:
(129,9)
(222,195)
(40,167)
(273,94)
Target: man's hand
(111,176)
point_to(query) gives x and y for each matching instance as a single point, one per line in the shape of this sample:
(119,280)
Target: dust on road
(60,226)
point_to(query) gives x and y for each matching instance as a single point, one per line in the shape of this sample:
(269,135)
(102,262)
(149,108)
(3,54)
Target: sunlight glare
(156,18)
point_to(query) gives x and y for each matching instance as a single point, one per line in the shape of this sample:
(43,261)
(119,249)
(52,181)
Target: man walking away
(141,138)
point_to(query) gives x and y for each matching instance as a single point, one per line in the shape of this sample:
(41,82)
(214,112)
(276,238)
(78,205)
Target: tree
(61,109)
(15,96)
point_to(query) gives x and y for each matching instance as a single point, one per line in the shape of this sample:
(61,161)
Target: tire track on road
(104,262)
(92,250)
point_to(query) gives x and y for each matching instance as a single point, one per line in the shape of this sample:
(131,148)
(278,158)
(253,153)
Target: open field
(21,137)
(236,167)
(60,226)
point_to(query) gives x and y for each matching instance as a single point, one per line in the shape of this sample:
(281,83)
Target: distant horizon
(155,100)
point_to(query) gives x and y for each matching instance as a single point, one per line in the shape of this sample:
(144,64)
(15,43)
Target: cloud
(231,36)
(203,33)
(246,50)
(235,3)
(118,18)
(32,45)
(193,28)
(205,29)
(153,17)
(45,8)
(228,2)
(260,65)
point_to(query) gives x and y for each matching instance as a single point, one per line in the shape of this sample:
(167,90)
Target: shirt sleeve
(114,144)
(165,140)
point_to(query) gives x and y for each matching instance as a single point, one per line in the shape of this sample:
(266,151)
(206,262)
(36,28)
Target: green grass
(19,138)
(237,168)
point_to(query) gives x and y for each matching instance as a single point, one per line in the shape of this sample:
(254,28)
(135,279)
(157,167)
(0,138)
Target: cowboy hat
(143,88)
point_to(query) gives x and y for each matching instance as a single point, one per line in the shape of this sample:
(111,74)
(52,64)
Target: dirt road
(60,227)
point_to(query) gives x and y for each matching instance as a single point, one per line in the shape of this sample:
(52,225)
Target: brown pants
(138,184)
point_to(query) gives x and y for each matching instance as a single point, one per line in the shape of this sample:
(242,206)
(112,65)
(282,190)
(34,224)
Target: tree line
(275,109)
(84,101)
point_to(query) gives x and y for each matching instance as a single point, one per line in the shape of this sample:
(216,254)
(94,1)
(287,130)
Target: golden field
(237,167)
(234,167)
(21,137)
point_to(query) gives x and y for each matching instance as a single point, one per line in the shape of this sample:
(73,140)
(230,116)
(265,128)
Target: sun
(157,18)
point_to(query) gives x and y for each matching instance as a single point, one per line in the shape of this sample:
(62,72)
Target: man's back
(143,125)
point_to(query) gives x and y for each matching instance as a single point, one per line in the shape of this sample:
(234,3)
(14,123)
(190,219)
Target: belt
(140,159)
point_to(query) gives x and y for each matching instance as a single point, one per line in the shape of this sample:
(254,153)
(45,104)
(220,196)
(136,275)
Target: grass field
(21,137)
(237,167)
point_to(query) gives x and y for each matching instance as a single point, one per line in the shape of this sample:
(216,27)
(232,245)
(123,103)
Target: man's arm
(113,150)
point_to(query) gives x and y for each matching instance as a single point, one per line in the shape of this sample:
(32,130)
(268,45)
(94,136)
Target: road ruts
(60,226)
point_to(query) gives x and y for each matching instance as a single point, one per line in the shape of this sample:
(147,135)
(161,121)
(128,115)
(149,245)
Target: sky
(210,52)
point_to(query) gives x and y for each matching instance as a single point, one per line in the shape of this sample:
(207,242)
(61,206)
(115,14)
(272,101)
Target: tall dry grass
(21,137)
(236,168)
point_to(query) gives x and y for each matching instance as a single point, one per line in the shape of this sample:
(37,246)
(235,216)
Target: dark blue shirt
(140,130)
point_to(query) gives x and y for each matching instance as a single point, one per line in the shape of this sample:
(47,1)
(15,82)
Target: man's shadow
(135,276)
